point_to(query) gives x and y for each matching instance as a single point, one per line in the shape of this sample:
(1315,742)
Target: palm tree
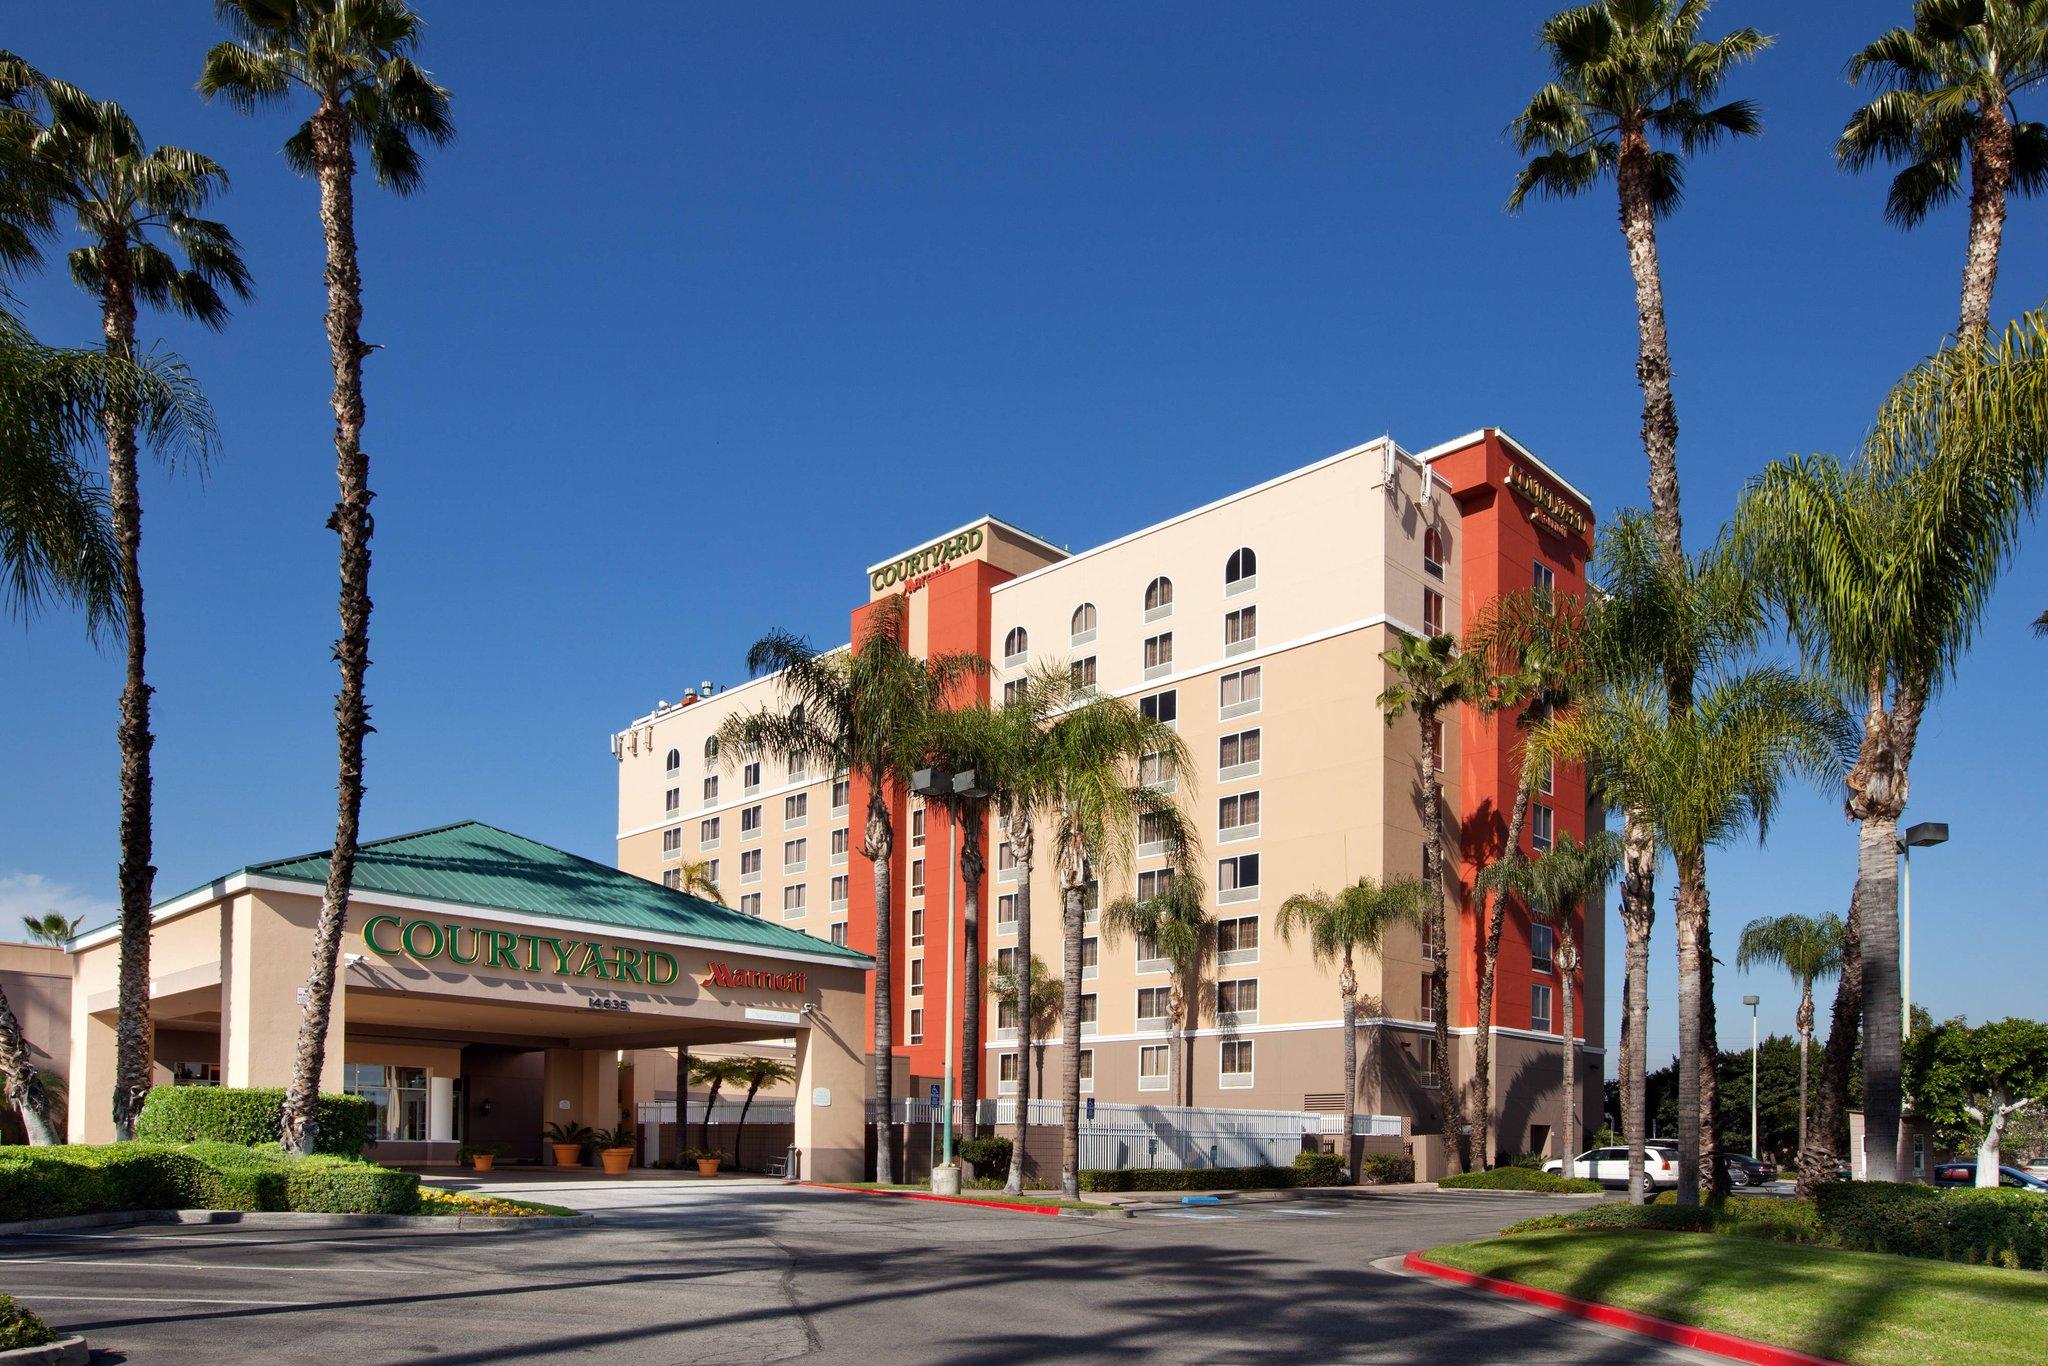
(1948,86)
(1037,1014)
(51,928)
(1338,928)
(1180,930)
(1631,96)
(1557,888)
(1428,681)
(1808,947)
(126,196)
(716,1073)
(694,878)
(756,1072)
(354,58)
(865,711)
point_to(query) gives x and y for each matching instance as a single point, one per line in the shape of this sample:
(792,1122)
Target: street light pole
(1924,835)
(1751,1001)
(949,789)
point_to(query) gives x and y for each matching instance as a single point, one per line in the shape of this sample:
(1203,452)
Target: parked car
(1751,1171)
(1609,1166)
(2009,1178)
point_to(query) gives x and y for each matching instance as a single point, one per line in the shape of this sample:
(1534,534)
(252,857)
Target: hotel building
(1256,626)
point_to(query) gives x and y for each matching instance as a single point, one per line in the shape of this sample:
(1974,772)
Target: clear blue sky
(711,306)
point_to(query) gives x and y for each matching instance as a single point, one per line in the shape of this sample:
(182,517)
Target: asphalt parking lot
(697,1273)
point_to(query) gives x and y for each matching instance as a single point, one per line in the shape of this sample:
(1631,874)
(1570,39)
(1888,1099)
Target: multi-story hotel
(1256,626)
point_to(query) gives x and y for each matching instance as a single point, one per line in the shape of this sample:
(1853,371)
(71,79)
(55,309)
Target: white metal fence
(1122,1135)
(658,1112)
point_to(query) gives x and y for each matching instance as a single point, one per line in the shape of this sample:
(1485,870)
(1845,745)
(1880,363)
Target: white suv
(1609,1166)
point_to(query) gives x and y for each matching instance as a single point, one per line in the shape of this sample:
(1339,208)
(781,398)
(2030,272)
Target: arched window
(1241,570)
(1158,598)
(1433,553)
(1083,629)
(674,762)
(1016,644)
(711,749)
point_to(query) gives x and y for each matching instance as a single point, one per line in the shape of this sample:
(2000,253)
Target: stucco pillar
(573,1088)
(92,1074)
(440,1109)
(831,1094)
(266,951)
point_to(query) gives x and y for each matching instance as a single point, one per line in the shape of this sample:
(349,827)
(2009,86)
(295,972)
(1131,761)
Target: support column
(440,1109)
(93,1047)
(831,1093)
(573,1088)
(266,952)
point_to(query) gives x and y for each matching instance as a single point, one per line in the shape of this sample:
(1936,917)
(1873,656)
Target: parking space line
(159,1299)
(132,1264)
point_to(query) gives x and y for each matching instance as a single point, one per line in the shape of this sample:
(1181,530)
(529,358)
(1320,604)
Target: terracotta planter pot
(483,1162)
(568,1154)
(615,1160)
(708,1168)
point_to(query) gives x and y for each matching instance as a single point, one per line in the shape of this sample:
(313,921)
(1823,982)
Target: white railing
(1137,1135)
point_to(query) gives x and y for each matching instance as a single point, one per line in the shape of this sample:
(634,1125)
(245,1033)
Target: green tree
(1947,90)
(1972,1082)
(137,209)
(717,1074)
(756,1072)
(1175,926)
(867,712)
(1339,929)
(1631,96)
(1426,679)
(1808,948)
(353,59)
(1037,1015)
(694,878)
(1557,888)
(51,928)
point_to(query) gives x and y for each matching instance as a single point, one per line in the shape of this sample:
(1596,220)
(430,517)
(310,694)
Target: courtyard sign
(719,975)
(932,557)
(426,940)
(1552,509)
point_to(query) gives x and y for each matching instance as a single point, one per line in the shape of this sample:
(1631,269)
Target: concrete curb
(1289,1193)
(66,1351)
(281,1219)
(1613,1316)
(1006,1206)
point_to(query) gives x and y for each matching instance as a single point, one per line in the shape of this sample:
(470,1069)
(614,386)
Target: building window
(711,871)
(837,892)
(1013,692)
(1240,571)
(1008,963)
(1238,998)
(1153,883)
(707,833)
(1432,612)
(1237,816)
(1086,1068)
(750,866)
(917,977)
(673,879)
(1091,956)
(1542,941)
(710,750)
(1006,1071)
(795,855)
(1153,1003)
(1235,1069)
(750,821)
(1539,1006)
(672,841)
(917,924)
(1428,937)
(1546,778)
(1083,672)
(1016,646)
(1163,707)
(917,828)
(1239,693)
(1152,833)
(796,809)
(1542,827)
(711,790)
(1006,862)
(1240,630)
(1091,1011)
(793,901)
(1428,1010)
(750,777)
(917,877)
(842,793)
(799,769)
(1544,580)
(917,1025)
(1441,749)
(750,904)
(1081,629)
(1006,911)
(1159,598)
(841,840)
(1430,1075)
(1152,1067)
(672,801)
(397,1096)
(1159,654)
(674,763)
(1237,756)
(1433,553)
(1237,940)
(839,933)
(1237,879)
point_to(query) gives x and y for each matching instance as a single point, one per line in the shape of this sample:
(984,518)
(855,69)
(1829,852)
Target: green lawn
(993,1197)
(1857,1307)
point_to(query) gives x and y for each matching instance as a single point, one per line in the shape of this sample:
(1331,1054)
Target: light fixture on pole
(1922,836)
(1752,1002)
(942,785)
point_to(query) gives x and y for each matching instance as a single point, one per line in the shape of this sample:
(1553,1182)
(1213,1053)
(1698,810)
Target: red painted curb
(939,1199)
(1681,1334)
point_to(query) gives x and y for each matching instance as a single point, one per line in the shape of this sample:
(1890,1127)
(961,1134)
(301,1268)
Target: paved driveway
(710,1273)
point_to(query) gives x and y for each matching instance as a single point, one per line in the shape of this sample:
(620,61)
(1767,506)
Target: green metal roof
(473,864)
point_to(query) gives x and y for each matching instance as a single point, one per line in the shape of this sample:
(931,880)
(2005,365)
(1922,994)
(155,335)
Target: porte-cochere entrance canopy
(488,982)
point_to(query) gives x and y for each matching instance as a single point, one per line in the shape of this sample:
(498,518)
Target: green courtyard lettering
(475,941)
(389,936)
(593,963)
(932,557)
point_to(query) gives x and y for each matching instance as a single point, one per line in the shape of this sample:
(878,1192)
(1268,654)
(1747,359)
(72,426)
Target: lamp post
(942,785)
(1751,1001)
(1922,836)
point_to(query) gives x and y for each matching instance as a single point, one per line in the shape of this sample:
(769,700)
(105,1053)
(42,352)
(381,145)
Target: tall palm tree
(866,711)
(1631,96)
(1948,86)
(51,928)
(1705,776)
(354,60)
(757,1072)
(1428,680)
(137,209)
(27,216)
(1808,947)
(1557,887)
(717,1074)
(1340,928)
(1180,931)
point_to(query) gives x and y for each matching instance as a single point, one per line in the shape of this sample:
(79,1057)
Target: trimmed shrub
(1386,1169)
(1179,1179)
(1318,1169)
(1532,1161)
(1693,1219)
(990,1155)
(20,1327)
(1520,1179)
(1997,1227)
(249,1116)
(1761,1216)
(1882,1216)
(44,1183)
(340,1185)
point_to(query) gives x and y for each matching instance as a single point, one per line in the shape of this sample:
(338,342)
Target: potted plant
(707,1160)
(482,1155)
(614,1149)
(567,1139)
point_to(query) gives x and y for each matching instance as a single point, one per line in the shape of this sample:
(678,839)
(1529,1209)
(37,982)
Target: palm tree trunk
(1877,869)
(1805,1023)
(710,1103)
(1709,1055)
(1021,843)
(1347,988)
(334,162)
(1692,915)
(740,1130)
(25,1091)
(1638,915)
(1070,1036)
(972,866)
(1439,968)
(1482,1053)
(134,1033)
(878,846)
(1653,353)
(1567,962)
(1990,181)
(1819,1158)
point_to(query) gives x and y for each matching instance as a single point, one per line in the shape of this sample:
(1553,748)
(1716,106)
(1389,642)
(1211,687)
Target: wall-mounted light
(484,1110)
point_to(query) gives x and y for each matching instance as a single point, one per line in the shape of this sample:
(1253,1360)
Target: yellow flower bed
(434,1200)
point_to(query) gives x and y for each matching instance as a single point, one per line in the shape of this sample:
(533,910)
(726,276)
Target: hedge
(1318,1169)
(249,1115)
(1520,1179)
(1998,1227)
(1386,1169)
(1691,1219)
(990,1155)
(19,1327)
(1182,1179)
(43,1183)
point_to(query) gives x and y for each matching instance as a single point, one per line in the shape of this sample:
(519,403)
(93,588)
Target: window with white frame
(1546,777)
(750,777)
(793,900)
(1427,1071)
(1013,691)
(1237,1000)
(1239,693)
(799,769)
(1237,756)
(1153,1003)
(1159,654)
(1235,1067)
(1427,1011)
(917,877)
(1240,571)
(711,871)
(1240,630)
(1539,1006)
(1542,948)
(1433,553)
(1008,1069)
(750,904)
(673,764)
(1152,1064)
(917,827)
(1091,894)
(842,840)
(1082,671)
(1085,1065)
(917,977)
(1237,940)
(916,1025)
(1441,748)
(837,892)
(672,800)
(1153,772)
(1081,629)
(796,809)
(1543,579)
(1091,1011)
(707,833)
(1009,962)
(1007,868)
(1237,816)
(750,865)
(842,792)
(1427,935)
(1006,912)
(710,750)
(672,842)
(1016,646)
(1152,833)
(1154,883)
(1432,612)
(1163,707)
(673,879)
(1542,827)
(711,790)
(1237,879)
(917,924)
(1091,957)
(795,855)
(1149,959)
(1159,598)
(1006,1017)
(839,933)
(750,820)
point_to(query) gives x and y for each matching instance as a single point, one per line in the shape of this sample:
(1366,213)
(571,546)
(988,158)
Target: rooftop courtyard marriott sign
(932,557)
(426,940)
